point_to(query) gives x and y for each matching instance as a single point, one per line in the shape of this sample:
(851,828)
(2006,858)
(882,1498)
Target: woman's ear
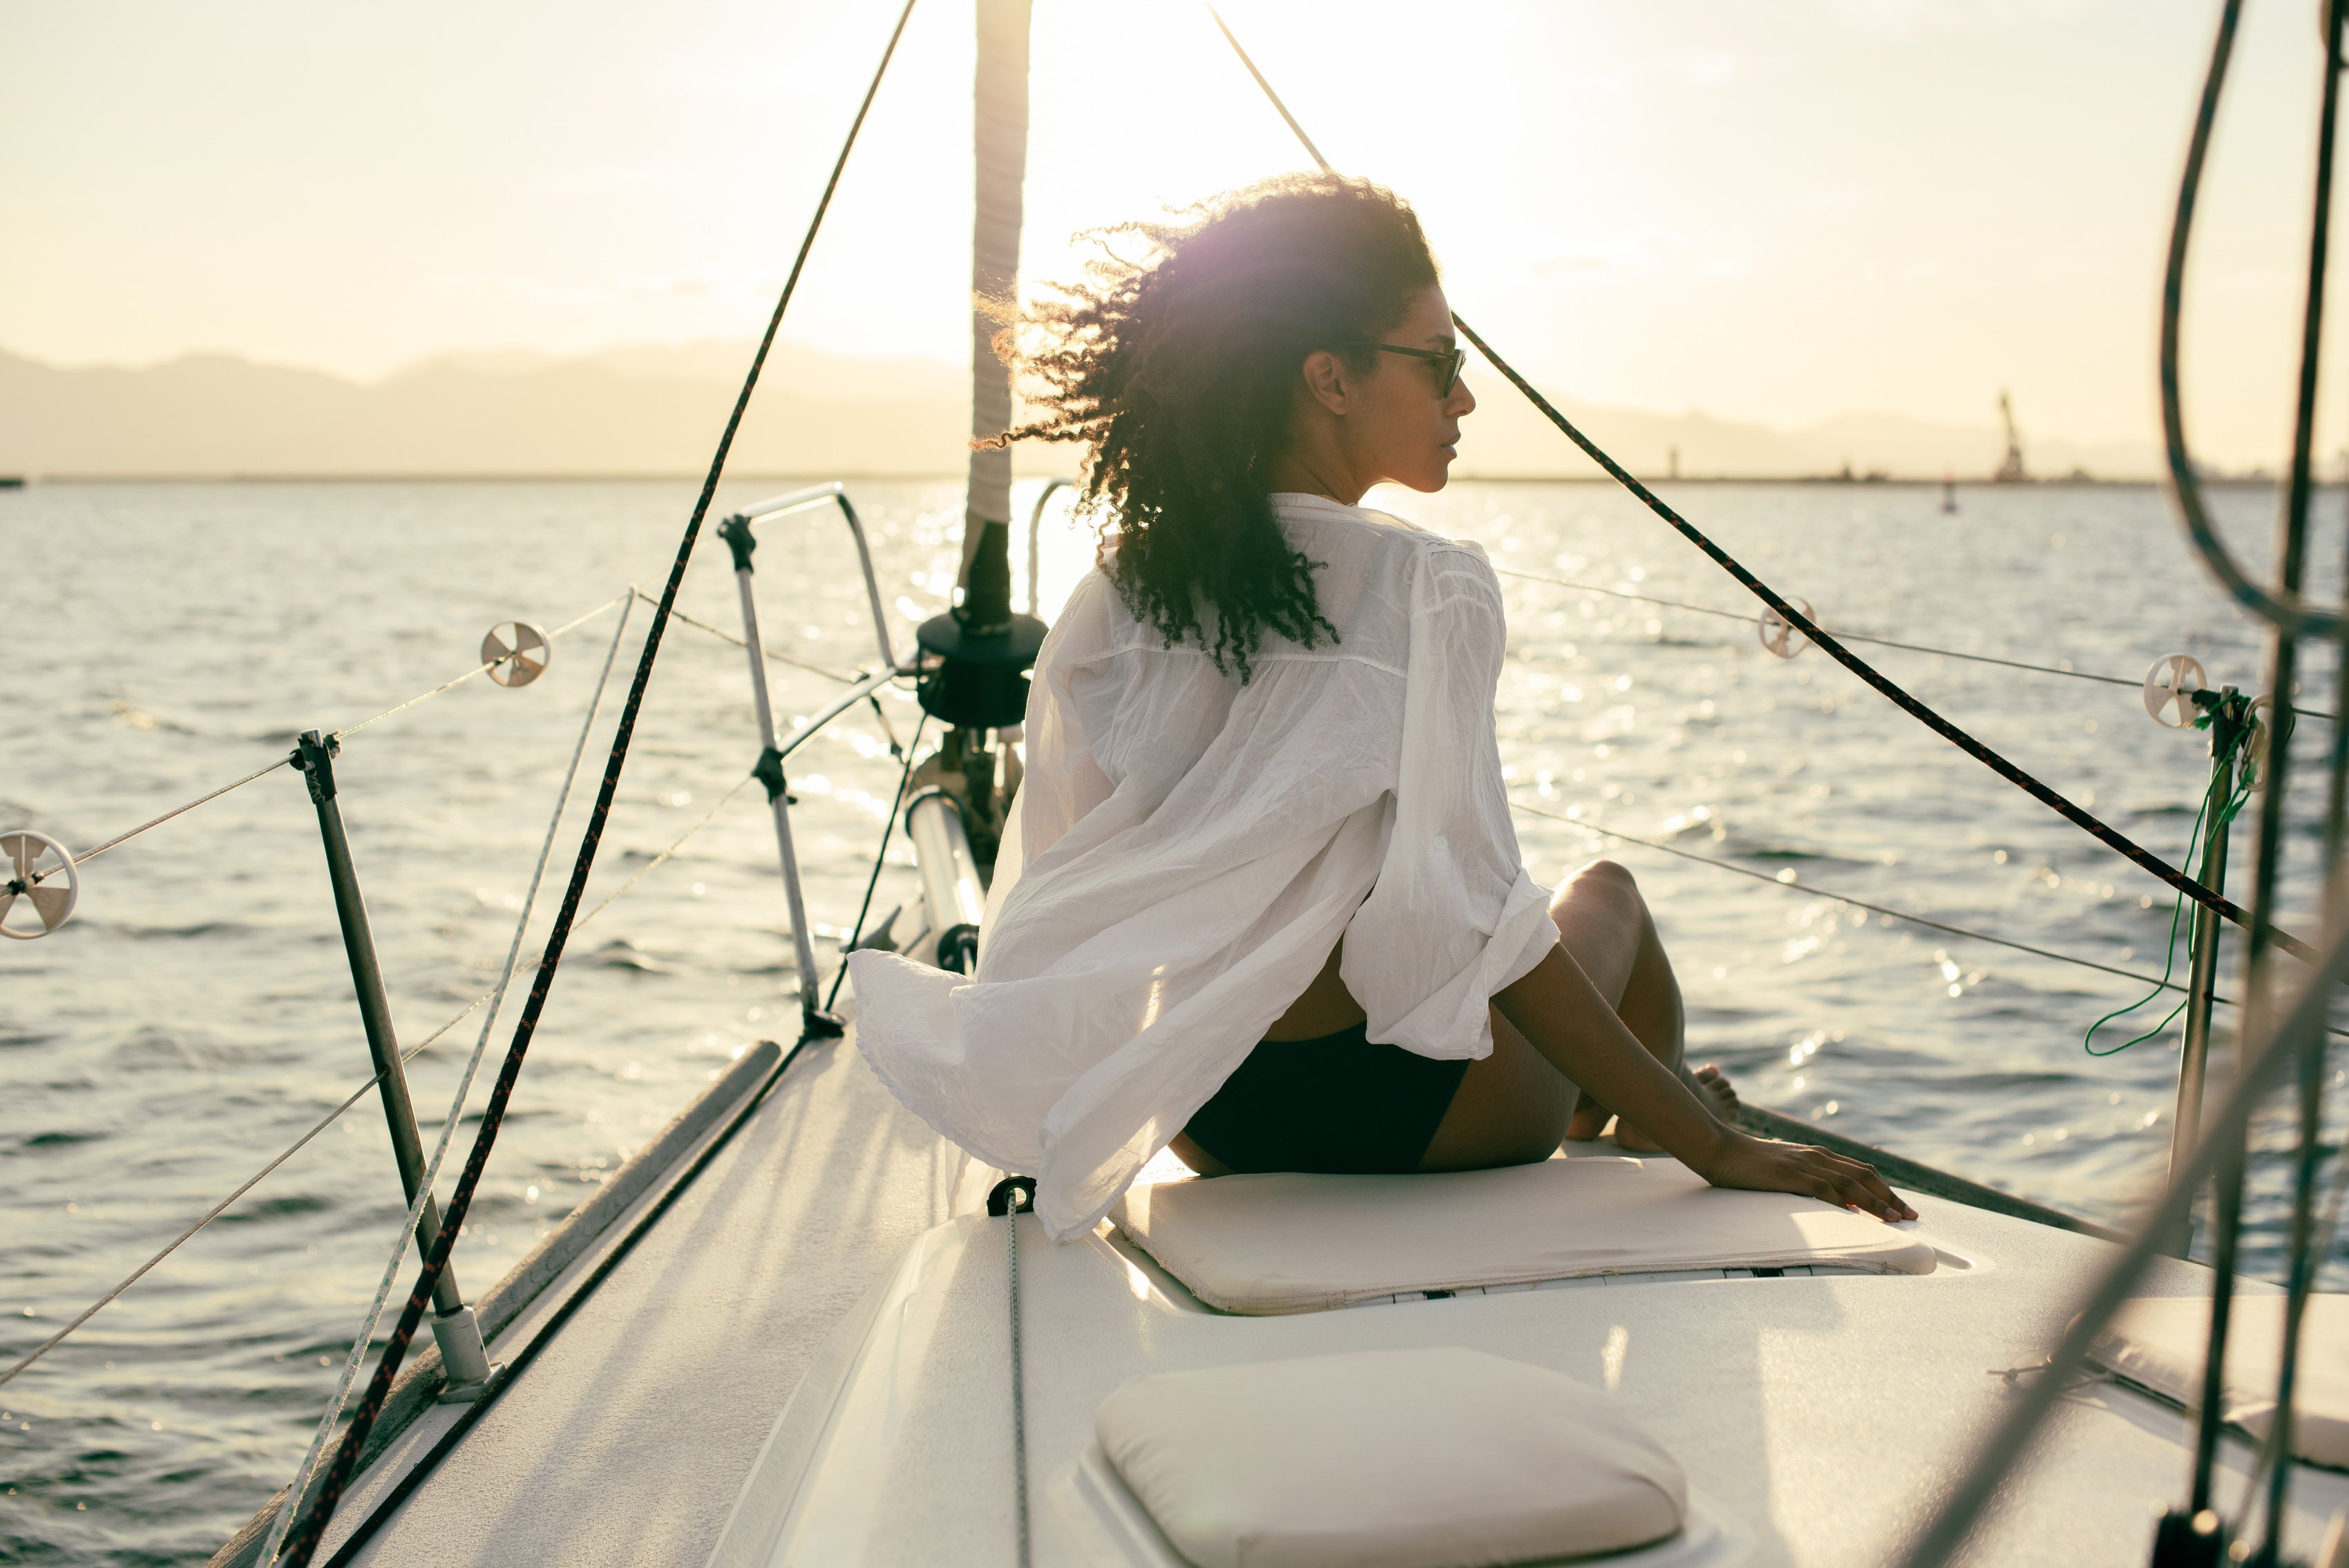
(1328,380)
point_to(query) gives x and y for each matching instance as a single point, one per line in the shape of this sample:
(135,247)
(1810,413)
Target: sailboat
(798,1328)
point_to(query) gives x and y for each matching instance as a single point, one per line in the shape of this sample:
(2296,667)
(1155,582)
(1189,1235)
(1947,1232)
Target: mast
(972,660)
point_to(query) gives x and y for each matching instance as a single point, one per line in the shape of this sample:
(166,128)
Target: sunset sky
(1773,210)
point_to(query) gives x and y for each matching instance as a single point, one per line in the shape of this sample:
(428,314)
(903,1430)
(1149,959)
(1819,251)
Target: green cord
(2234,804)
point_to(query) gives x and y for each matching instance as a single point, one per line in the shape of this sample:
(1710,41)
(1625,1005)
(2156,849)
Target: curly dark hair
(1178,370)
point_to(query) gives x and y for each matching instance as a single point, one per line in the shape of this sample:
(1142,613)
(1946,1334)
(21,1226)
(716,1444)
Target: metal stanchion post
(462,1356)
(814,1021)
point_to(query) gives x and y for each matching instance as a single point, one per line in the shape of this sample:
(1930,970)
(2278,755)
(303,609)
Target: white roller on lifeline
(32,860)
(2170,689)
(1778,633)
(517,652)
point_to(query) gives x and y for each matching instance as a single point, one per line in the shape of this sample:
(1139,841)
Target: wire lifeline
(2144,860)
(1746,620)
(845,677)
(288,1510)
(217,1209)
(97,849)
(1817,892)
(482,668)
(305,1540)
(408,1055)
(92,853)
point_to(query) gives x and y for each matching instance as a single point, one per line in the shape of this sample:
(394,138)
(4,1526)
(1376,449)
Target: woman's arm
(1563,1015)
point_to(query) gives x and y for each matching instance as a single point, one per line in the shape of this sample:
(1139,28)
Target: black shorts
(1337,1105)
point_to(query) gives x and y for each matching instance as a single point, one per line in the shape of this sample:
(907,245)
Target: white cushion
(1286,1243)
(2159,1345)
(1391,1459)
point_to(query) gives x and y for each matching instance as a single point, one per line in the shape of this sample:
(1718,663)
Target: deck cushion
(1436,1458)
(2158,1344)
(1279,1243)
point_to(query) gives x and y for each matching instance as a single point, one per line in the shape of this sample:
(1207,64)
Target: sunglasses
(1447,362)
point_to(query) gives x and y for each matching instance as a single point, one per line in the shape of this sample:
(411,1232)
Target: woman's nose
(1464,401)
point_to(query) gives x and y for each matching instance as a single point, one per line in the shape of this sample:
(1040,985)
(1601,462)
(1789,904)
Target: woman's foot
(1711,1085)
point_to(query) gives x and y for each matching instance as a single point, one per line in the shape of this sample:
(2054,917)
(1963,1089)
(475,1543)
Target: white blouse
(1185,851)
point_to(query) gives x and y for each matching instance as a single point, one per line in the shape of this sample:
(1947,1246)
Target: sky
(1771,209)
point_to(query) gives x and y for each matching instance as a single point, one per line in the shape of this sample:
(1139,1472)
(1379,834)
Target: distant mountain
(656,410)
(634,411)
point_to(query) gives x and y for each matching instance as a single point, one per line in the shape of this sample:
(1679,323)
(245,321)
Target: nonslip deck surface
(628,1437)
(1816,1417)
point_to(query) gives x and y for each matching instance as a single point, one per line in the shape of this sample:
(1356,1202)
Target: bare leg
(1514,1107)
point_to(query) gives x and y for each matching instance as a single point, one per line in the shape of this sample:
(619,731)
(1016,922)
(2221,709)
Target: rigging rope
(2144,860)
(356,1359)
(304,1540)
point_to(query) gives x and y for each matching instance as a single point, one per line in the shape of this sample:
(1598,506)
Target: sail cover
(999,146)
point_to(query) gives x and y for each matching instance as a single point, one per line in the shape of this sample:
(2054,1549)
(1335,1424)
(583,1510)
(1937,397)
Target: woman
(1260,897)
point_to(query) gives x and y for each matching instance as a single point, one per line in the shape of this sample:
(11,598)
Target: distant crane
(2010,472)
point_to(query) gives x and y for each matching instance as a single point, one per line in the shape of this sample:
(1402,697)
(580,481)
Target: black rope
(304,1540)
(2144,860)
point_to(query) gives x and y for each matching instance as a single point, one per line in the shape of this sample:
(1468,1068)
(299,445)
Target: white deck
(625,1439)
(1816,1417)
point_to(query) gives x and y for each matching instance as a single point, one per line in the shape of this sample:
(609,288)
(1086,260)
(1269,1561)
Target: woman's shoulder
(1367,528)
(1399,559)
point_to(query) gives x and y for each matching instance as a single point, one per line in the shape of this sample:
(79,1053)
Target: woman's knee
(1599,879)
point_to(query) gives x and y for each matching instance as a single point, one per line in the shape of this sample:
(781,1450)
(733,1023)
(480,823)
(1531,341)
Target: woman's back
(1187,848)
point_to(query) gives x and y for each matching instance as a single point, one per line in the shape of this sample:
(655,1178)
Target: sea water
(196,1016)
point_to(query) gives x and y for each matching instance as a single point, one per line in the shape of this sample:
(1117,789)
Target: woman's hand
(1760,1165)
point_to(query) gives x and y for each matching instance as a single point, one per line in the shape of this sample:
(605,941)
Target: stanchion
(462,1356)
(814,1021)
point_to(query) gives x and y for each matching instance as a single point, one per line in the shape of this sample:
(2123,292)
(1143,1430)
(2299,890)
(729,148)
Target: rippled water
(196,1016)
